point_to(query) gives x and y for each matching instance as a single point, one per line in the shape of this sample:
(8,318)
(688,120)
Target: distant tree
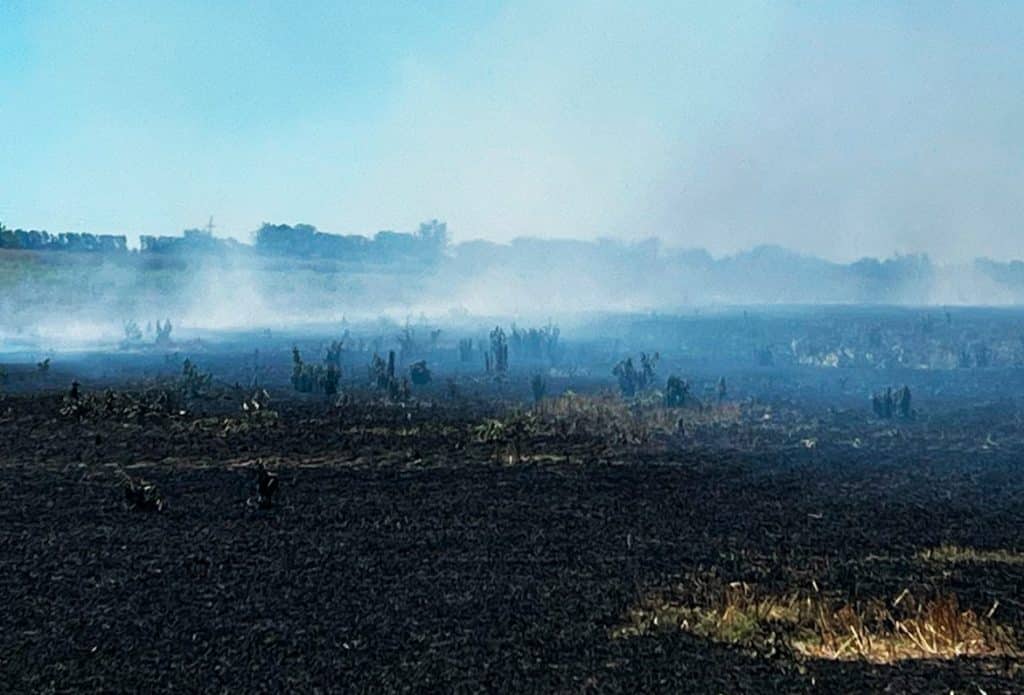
(283,238)
(433,240)
(8,240)
(434,232)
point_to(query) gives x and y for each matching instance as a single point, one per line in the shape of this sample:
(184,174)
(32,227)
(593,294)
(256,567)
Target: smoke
(64,300)
(838,130)
(792,143)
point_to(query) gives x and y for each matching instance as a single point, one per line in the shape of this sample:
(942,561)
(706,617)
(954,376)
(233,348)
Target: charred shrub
(889,403)
(314,378)
(497,358)
(535,344)
(194,383)
(539,386)
(677,392)
(903,406)
(382,375)
(74,406)
(628,377)
(142,496)
(163,333)
(334,352)
(267,485)
(466,350)
(419,373)
(407,344)
(132,333)
(258,406)
(632,380)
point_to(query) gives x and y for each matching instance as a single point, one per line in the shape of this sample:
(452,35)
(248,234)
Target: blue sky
(840,129)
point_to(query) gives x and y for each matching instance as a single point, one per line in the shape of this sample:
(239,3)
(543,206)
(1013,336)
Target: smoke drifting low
(66,298)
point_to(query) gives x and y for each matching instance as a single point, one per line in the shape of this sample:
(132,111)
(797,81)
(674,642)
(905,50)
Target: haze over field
(835,129)
(77,288)
(517,346)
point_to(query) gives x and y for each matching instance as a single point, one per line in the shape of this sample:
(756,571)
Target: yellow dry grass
(936,627)
(955,554)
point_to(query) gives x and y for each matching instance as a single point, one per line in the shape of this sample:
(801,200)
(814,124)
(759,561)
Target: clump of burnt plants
(152,403)
(257,406)
(496,360)
(334,353)
(383,377)
(539,387)
(419,373)
(407,343)
(465,350)
(314,378)
(141,495)
(381,371)
(677,392)
(73,405)
(132,334)
(267,486)
(535,344)
(194,383)
(163,333)
(633,380)
(890,403)
(411,343)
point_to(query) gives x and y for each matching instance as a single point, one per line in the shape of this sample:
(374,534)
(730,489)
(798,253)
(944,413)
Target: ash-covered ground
(798,501)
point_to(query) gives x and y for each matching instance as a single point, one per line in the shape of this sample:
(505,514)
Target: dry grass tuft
(934,628)
(739,616)
(955,554)
(635,420)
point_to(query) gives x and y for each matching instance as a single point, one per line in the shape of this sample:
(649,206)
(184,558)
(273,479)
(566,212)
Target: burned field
(746,527)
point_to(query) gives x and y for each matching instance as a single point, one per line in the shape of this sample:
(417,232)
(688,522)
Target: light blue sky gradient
(840,129)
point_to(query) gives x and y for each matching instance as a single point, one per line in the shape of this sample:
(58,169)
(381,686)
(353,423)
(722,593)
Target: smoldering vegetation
(804,499)
(400,463)
(70,290)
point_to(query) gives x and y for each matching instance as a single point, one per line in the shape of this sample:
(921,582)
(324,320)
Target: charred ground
(461,536)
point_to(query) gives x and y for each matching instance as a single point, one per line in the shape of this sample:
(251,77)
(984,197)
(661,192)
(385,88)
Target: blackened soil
(405,554)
